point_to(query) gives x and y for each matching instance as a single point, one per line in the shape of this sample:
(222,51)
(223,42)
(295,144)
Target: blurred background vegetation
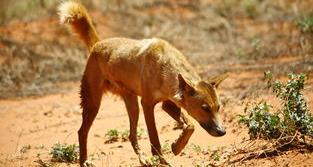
(39,56)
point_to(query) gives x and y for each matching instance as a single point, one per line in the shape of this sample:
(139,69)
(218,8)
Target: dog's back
(130,64)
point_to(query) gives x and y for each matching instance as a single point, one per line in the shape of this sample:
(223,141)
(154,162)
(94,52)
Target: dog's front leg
(175,112)
(187,126)
(131,104)
(148,108)
(182,140)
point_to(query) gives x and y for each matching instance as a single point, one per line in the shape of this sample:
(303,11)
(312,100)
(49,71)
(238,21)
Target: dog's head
(202,103)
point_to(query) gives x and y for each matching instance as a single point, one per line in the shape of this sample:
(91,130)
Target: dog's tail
(77,17)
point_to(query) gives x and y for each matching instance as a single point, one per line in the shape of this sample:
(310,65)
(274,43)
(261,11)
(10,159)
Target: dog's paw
(175,148)
(165,163)
(143,159)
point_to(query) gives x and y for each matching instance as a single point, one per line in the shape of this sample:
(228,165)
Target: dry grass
(236,34)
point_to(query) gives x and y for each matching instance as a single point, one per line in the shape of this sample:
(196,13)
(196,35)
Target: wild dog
(150,68)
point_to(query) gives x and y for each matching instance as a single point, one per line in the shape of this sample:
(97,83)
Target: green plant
(196,148)
(155,161)
(239,52)
(306,25)
(125,135)
(257,44)
(203,165)
(292,118)
(166,147)
(25,148)
(215,155)
(261,122)
(140,132)
(250,7)
(64,153)
(112,136)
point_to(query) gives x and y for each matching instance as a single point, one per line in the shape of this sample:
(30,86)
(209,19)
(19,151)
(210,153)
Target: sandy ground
(44,121)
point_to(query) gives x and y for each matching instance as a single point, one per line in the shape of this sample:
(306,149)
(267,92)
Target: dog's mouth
(213,130)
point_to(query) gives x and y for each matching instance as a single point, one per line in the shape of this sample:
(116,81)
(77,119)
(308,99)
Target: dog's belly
(123,74)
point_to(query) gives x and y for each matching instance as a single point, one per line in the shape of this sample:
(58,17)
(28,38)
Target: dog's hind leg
(131,103)
(188,127)
(92,88)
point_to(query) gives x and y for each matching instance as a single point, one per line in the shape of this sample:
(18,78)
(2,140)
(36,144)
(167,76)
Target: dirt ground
(41,64)
(44,121)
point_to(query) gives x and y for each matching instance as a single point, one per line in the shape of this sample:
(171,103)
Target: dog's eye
(206,107)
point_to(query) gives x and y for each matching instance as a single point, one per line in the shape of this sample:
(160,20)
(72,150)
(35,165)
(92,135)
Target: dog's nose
(221,131)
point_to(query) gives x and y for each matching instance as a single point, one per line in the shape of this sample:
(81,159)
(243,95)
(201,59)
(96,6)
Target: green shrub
(306,24)
(25,149)
(196,148)
(112,136)
(292,117)
(203,165)
(154,161)
(215,155)
(261,123)
(166,147)
(125,135)
(64,153)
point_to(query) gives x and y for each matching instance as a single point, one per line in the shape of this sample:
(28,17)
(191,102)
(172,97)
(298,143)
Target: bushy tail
(77,17)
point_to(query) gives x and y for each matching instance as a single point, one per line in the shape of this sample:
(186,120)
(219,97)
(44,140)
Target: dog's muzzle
(214,130)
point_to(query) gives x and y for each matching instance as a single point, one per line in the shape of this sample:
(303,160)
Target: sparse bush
(203,165)
(250,7)
(257,44)
(261,122)
(215,155)
(140,132)
(64,153)
(112,136)
(293,117)
(25,149)
(289,126)
(166,147)
(239,52)
(306,24)
(125,135)
(154,161)
(196,148)
(306,37)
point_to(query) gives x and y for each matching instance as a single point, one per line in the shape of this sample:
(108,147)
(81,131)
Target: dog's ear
(184,87)
(216,81)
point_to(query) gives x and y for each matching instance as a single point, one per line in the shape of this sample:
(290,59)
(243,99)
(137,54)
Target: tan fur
(76,15)
(150,68)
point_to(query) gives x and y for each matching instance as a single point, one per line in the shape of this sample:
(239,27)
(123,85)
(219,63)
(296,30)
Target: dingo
(150,68)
